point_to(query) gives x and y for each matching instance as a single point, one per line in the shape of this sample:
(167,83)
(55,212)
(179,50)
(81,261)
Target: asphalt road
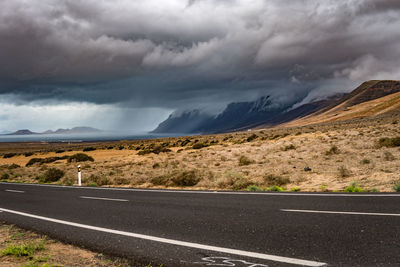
(186,228)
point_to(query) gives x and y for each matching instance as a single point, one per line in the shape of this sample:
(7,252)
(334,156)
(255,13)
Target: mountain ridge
(263,113)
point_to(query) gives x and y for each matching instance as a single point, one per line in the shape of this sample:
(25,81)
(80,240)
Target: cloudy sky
(128,64)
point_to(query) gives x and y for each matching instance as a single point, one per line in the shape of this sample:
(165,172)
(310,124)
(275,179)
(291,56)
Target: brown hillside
(368,100)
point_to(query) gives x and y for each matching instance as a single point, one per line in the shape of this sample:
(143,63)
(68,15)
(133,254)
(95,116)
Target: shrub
(93,184)
(44,160)
(99,180)
(52,175)
(365,161)
(253,188)
(295,189)
(199,145)
(156,165)
(353,188)
(5,176)
(13,166)
(28,154)
(89,149)
(79,157)
(332,150)
(9,155)
(343,172)
(251,137)
(388,142)
(60,151)
(388,156)
(276,188)
(396,187)
(185,178)
(272,179)
(243,161)
(121,181)
(155,150)
(289,147)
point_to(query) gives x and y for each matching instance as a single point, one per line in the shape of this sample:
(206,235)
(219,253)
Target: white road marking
(344,212)
(175,242)
(215,192)
(14,191)
(104,198)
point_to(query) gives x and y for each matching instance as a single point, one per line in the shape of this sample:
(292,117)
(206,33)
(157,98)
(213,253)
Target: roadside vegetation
(325,158)
(23,248)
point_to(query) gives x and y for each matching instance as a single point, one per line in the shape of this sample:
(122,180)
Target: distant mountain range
(264,113)
(75,130)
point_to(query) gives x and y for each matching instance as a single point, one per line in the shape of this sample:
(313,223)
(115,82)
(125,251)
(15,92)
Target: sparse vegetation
(343,172)
(23,250)
(365,161)
(9,155)
(388,142)
(289,147)
(244,161)
(333,150)
(272,179)
(52,175)
(396,187)
(80,157)
(86,149)
(353,188)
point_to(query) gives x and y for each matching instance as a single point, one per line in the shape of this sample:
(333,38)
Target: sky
(127,64)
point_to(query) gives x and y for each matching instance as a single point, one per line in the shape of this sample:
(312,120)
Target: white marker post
(79,176)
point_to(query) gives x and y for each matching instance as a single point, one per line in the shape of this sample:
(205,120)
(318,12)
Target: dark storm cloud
(176,54)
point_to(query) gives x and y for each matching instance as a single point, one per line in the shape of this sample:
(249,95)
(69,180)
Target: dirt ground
(29,249)
(326,157)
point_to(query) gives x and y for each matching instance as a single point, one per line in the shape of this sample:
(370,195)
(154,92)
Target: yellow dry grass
(284,153)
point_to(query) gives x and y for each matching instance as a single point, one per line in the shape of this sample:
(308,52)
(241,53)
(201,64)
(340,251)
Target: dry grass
(335,154)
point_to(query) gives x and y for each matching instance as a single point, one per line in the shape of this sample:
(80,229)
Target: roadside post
(79,176)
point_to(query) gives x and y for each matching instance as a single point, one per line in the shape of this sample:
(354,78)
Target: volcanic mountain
(369,99)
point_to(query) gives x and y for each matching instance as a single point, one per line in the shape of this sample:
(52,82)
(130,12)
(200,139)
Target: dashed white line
(217,192)
(14,191)
(104,198)
(175,242)
(344,212)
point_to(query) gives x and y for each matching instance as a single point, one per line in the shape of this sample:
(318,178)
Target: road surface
(206,228)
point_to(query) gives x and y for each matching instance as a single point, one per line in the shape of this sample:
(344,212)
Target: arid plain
(324,157)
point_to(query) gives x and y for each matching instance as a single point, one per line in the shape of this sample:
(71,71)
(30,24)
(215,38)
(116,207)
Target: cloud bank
(178,54)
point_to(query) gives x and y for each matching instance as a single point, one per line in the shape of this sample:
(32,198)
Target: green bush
(388,142)
(79,157)
(5,176)
(44,160)
(59,151)
(23,250)
(276,188)
(396,187)
(295,189)
(243,161)
(353,188)
(52,175)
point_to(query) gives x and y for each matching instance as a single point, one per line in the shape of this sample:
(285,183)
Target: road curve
(206,228)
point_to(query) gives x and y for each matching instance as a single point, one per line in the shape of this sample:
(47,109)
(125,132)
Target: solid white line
(344,212)
(14,191)
(175,242)
(104,198)
(215,192)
